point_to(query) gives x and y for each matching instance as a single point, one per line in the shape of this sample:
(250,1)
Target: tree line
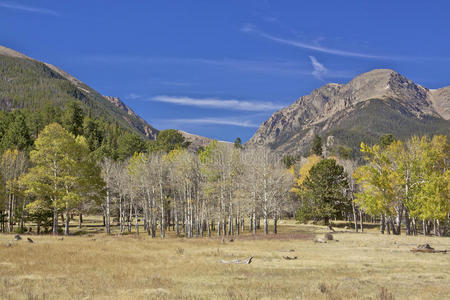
(71,167)
(399,184)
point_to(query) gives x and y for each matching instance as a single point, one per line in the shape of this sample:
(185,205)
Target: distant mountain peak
(380,94)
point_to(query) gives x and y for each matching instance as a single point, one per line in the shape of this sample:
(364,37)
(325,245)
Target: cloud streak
(230,104)
(216,121)
(319,69)
(252,30)
(260,66)
(27,8)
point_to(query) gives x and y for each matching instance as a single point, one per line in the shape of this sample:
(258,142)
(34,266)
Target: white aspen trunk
(136,219)
(424,226)
(408,228)
(175,216)
(154,216)
(55,210)
(163,223)
(275,224)
(130,215)
(438,225)
(388,225)
(66,223)
(219,227)
(265,206)
(208,227)
(398,220)
(10,213)
(434,227)
(149,211)
(108,212)
(55,219)
(361,220)
(414,226)
(254,223)
(121,216)
(22,215)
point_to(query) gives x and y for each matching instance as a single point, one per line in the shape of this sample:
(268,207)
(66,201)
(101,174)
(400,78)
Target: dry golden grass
(358,266)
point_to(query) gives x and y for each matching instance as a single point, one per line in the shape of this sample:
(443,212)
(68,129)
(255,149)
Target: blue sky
(221,68)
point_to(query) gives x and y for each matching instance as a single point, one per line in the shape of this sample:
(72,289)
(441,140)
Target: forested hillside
(29,84)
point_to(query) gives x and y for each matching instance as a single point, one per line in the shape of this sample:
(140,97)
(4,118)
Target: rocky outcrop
(197,142)
(292,128)
(133,119)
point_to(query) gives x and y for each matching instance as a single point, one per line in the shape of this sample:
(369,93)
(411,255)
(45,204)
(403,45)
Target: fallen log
(290,258)
(428,251)
(238,261)
(426,248)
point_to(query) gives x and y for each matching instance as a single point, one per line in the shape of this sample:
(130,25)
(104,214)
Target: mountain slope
(372,104)
(28,83)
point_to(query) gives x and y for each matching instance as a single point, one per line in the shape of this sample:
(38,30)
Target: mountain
(31,84)
(372,104)
(28,83)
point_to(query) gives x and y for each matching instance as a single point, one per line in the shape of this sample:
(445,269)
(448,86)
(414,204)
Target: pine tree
(323,192)
(73,118)
(17,135)
(316,147)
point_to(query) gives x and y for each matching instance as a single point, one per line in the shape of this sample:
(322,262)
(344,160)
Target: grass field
(95,266)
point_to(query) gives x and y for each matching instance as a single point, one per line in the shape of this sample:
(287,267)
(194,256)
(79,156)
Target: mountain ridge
(116,109)
(292,128)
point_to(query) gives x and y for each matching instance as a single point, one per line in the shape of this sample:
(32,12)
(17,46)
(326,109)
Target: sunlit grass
(357,266)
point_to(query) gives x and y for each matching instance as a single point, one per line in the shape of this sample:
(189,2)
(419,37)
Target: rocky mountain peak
(292,128)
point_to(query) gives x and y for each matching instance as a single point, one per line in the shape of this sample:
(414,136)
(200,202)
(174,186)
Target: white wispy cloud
(133,96)
(248,28)
(319,69)
(261,66)
(216,121)
(27,8)
(231,104)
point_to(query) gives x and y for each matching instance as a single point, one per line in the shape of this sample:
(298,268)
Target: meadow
(91,265)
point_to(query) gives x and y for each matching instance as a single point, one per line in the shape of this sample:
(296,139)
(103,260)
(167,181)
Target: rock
(238,261)
(17,237)
(30,240)
(320,240)
(328,236)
